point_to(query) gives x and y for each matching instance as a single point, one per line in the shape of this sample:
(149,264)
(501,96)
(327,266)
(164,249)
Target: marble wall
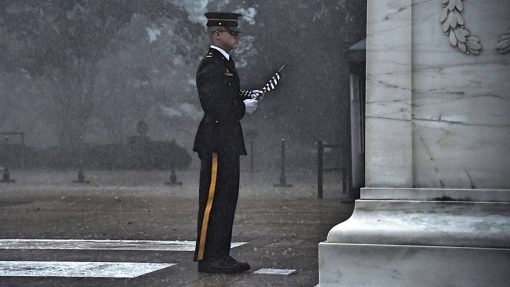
(436,117)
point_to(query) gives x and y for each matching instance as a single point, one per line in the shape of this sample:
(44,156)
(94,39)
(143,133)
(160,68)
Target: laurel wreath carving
(453,26)
(503,45)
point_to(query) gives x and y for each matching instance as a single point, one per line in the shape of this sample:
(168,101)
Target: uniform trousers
(218,194)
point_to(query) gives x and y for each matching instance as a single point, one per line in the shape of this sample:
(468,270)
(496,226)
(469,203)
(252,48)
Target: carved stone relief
(503,45)
(453,26)
(460,37)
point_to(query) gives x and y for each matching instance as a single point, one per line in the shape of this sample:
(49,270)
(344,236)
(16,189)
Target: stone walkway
(282,231)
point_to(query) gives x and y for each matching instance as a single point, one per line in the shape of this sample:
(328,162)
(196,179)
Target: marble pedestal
(421,237)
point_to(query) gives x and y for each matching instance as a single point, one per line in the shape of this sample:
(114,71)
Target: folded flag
(273,82)
(269,86)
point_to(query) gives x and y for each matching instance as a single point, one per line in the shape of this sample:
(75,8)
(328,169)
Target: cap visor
(233,29)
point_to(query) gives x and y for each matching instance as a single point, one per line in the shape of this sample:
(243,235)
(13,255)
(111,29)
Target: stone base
(404,265)
(421,237)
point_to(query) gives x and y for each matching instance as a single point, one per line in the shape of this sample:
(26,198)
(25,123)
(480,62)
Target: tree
(64,40)
(143,77)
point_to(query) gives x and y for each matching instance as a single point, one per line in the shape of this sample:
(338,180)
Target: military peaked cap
(221,19)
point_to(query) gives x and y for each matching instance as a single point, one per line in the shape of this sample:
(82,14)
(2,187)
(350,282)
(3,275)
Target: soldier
(219,142)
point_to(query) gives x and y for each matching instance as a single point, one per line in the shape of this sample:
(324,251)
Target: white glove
(251,105)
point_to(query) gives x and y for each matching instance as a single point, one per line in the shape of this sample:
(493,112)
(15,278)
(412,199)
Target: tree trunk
(76,102)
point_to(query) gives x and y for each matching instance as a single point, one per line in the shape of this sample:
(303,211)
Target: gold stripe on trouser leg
(207,212)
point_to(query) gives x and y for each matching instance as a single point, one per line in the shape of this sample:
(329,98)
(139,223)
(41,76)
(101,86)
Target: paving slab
(281,232)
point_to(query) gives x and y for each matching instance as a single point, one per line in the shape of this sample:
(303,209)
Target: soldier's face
(229,40)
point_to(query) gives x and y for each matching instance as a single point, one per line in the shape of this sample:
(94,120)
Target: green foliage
(68,42)
(59,33)
(88,71)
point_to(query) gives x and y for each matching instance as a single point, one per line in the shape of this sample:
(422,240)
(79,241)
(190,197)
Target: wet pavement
(282,229)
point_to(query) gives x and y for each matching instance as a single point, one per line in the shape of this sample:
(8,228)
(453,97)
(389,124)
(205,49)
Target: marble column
(388,138)
(436,207)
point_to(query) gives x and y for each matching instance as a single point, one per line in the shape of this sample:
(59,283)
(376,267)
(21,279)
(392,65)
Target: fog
(79,76)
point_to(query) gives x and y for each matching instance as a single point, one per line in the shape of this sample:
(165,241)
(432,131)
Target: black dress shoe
(234,261)
(227,265)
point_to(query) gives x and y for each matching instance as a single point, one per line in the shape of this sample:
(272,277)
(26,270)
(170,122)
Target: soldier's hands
(256,95)
(251,105)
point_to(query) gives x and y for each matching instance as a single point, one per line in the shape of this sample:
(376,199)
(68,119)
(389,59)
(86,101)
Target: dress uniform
(219,142)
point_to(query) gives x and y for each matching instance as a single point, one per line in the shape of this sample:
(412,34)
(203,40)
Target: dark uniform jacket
(219,92)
